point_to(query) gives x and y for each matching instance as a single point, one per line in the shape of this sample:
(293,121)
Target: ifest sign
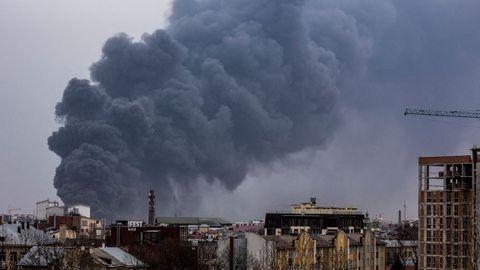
(134,224)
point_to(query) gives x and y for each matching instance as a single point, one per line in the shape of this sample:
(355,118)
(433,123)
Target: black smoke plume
(227,86)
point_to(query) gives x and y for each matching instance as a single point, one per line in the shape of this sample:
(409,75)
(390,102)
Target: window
(455,210)
(429,236)
(449,210)
(13,256)
(3,256)
(455,194)
(429,249)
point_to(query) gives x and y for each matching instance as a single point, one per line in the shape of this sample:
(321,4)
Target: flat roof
(438,160)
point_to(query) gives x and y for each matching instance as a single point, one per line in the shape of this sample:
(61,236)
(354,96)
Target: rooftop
(212,222)
(439,160)
(115,257)
(41,256)
(28,236)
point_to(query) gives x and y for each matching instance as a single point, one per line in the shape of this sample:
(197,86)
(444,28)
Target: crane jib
(462,114)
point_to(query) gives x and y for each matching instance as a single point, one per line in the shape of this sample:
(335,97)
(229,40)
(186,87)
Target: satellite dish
(82,248)
(91,251)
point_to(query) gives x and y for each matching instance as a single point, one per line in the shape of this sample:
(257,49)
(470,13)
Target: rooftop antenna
(404,211)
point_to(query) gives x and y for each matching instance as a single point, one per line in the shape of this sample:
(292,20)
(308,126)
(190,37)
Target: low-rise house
(63,234)
(84,227)
(115,258)
(405,251)
(42,257)
(305,251)
(16,240)
(63,258)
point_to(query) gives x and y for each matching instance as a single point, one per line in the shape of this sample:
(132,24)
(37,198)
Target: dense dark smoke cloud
(228,85)
(234,84)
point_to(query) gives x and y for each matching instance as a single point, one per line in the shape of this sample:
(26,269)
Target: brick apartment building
(447,195)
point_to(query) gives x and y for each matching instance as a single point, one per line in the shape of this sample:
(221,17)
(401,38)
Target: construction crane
(460,114)
(475,114)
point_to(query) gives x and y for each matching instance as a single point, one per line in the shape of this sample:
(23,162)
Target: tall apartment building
(447,199)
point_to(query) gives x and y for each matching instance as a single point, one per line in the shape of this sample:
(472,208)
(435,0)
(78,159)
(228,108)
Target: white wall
(55,211)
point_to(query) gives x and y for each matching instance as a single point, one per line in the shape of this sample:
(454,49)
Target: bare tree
(332,258)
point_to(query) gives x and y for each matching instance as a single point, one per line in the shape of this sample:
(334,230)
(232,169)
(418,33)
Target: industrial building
(446,195)
(310,218)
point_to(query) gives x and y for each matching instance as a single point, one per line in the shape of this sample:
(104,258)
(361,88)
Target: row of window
(449,262)
(448,196)
(14,256)
(454,250)
(450,223)
(438,210)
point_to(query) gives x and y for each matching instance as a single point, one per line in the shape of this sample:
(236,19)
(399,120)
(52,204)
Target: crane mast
(460,114)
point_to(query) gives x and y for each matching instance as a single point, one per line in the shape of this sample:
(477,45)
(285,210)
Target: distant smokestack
(399,217)
(151,207)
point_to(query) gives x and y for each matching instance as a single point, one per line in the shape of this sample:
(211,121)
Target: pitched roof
(29,237)
(41,256)
(115,257)
(282,241)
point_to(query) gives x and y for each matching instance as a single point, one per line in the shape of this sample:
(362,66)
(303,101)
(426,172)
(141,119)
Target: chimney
(117,234)
(151,207)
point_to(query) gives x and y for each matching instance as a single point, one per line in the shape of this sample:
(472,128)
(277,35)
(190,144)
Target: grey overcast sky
(410,53)
(43,44)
